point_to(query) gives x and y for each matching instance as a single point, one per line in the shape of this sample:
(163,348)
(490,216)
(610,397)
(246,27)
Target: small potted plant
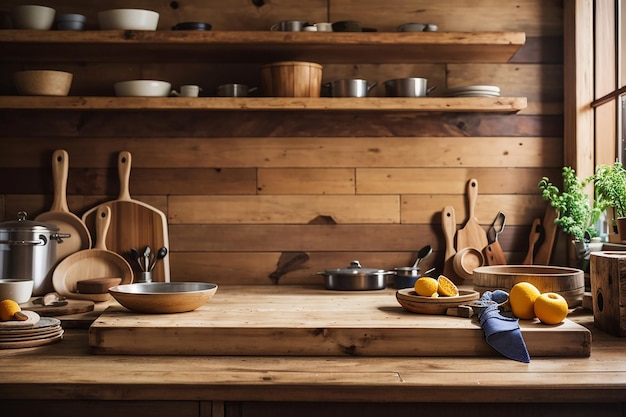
(576,212)
(610,190)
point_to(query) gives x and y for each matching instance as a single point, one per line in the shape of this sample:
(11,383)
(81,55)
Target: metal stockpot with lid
(355,278)
(28,251)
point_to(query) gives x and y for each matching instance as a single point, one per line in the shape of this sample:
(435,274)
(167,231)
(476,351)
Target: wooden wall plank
(450,180)
(519,209)
(314,152)
(283,209)
(306,181)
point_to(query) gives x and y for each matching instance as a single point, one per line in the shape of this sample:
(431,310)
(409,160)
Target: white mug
(324,27)
(187,91)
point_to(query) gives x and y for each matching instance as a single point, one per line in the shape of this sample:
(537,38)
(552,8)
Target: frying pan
(60,215)
(134,224)
(91,263)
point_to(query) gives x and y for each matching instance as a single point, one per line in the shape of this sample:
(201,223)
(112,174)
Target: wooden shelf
(430,104)
(25,46)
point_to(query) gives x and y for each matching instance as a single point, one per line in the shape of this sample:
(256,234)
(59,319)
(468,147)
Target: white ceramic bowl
(142,88)
(18,290)
(43,82)
(31,16)
(128,19)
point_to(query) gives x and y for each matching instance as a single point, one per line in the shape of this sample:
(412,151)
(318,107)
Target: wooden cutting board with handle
(60,215)
(134,224)
(472,235)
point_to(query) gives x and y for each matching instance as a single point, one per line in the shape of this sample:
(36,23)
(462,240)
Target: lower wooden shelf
(423,104)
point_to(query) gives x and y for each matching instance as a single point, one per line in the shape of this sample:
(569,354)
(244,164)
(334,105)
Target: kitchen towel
(502,333)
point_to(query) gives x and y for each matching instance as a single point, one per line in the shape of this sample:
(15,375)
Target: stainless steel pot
(28,251)
(355,87)
(234,90)
(355,278)
(407,87)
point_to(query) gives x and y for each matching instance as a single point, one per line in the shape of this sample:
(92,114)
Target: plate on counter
(414,303)
(47,330)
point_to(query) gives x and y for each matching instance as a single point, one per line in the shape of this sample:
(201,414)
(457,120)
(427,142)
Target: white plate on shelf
(476,88)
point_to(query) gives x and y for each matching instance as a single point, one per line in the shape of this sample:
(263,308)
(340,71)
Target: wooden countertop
(68,370)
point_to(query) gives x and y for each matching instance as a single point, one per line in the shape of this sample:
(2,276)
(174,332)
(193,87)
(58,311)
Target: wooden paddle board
(60,215)
(134,224)
(472,235)
(544,251)
(91,263)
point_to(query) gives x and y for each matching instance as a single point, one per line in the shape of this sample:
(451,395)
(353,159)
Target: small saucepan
(354,87)
(406,276)
(234,90)
(355,278)
(407,87)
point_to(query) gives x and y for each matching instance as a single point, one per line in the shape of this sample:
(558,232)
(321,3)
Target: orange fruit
(551,308)
(8,308)
(446,287)
(426,286)
(522,300)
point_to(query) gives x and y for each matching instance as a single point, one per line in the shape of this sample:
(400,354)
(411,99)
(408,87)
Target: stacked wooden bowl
(569,282)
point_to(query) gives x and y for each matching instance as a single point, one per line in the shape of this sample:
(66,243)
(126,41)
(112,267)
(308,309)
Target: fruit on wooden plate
(426,286)
(551,308)
(522,300)
(10,310)
(446,288)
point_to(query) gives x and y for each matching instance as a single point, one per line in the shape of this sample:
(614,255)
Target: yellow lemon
(446,287)
(522,299)
(426,286)
(551,308)
(8,308)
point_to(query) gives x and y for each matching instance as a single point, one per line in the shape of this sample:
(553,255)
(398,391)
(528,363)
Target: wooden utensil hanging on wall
(472,235)
(60,215)
(134,224)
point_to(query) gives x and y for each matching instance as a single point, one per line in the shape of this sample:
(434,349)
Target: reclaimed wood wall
(264,197)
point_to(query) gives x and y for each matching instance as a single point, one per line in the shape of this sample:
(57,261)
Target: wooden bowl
(569,282)
(163,297)
(466,261)
(414,303)
(43,83)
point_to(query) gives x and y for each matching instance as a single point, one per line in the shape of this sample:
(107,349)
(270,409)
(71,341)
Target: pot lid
(354,269)
(22,224)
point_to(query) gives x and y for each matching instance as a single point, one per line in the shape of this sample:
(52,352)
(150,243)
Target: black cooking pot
(355,278)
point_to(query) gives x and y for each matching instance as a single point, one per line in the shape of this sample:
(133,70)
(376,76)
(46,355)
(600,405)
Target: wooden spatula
(472,235)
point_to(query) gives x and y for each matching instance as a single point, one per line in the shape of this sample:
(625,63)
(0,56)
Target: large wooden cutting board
(293,320)
(134,224)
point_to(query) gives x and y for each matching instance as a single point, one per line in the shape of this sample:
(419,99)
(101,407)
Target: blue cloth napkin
(502,333)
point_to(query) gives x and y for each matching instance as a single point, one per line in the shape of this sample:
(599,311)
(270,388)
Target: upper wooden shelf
(432,104)
(257,46)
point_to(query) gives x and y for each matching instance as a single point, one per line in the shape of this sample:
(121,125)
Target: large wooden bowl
(163,297)
(414,303)
(569,282)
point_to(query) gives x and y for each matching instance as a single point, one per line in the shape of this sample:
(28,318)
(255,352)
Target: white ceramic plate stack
(36,331)
(475,91)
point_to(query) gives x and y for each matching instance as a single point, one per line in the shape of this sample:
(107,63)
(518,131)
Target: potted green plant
(576,212)
(610,190)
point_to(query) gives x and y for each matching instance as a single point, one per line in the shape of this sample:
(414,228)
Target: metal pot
(355,278)
(354,87)
(407,87)
(234,90)
(28,251)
